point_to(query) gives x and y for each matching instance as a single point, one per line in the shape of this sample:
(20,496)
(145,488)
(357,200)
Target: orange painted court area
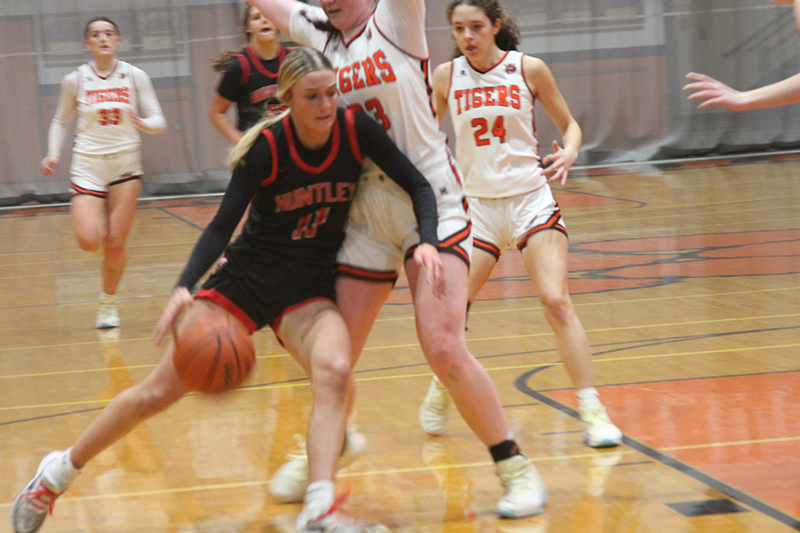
(742,430)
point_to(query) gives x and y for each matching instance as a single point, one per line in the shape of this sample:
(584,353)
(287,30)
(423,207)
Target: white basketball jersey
(103,104)
(393,87)
(492,114)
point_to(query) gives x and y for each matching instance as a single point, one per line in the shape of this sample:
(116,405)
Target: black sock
(504,450)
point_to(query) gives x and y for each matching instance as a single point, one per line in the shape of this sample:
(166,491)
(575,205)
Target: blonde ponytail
(246,142)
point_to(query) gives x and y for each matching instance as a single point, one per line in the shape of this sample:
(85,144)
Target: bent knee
(333,373)
(89,242)
(558,306)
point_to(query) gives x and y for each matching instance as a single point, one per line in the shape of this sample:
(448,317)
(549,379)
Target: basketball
(214,353)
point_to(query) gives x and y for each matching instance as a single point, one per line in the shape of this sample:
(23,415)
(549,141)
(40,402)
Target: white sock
(319,498)
(62,472)
(587,397)
(107,298)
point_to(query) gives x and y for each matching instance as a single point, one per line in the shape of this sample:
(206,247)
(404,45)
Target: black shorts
(260,286)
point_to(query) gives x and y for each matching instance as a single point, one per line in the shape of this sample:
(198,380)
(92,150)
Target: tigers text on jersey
(104,105)
(492,114)
(389,84)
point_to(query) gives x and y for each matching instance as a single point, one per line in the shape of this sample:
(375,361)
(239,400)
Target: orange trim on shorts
(552,223)
(366,275)
(452,244)
(76,189)
(277,322)
(487,247)
(221,300)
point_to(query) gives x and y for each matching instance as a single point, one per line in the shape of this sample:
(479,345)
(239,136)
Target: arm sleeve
(302,29)
(231,82)
(149,108)
(403,23)
(65,112)
(245,180)
(376,144)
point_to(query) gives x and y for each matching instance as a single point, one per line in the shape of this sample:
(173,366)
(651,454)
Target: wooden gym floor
(686,278)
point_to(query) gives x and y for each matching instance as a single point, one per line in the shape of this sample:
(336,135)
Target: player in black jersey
(301,171)
(249,78)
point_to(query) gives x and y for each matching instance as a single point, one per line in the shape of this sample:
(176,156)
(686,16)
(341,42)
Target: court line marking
(410,345)
(734,443)
(366,473)
(385,471)
(303,382)
(767,509)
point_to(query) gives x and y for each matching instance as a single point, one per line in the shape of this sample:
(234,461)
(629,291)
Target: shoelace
(41,499)
(338,502)
(441,399)
(595,416)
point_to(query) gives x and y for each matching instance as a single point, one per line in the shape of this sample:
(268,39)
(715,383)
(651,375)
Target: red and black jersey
(301,198)
(304,199)
(251,82)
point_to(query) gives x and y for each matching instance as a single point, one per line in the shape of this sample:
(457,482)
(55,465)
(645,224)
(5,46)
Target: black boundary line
(521,384)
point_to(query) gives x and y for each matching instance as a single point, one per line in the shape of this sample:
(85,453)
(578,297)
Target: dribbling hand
(180,299)
(49,163)
(428,256)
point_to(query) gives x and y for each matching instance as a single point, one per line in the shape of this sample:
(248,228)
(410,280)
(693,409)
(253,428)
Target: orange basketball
(214,353)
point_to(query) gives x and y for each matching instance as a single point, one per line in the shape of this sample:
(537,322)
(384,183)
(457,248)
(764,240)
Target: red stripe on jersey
(367,275)
(395,44)
(357,35)
(484,71)
(296,157)
(256,60)
(454,168)
(350,123)
(245,64)
(274,149)
(116,63)
(533,95)
(223,301)
(428,86)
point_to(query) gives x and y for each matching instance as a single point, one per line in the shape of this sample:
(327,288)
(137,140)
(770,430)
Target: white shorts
(381,232)
(502,223)
(93,175)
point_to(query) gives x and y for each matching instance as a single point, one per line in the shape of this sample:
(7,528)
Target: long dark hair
(507,38)
(224,59)
(99,18)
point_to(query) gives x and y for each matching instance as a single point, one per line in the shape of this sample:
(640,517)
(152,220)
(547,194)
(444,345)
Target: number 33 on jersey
(104,107)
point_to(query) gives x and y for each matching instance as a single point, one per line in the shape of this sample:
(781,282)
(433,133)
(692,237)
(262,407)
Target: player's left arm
(541,81)
(403,22)
(150,118)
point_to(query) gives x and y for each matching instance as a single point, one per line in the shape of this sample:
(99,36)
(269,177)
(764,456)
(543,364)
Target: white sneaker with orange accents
(289,482)
(525,490)
(32,505)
